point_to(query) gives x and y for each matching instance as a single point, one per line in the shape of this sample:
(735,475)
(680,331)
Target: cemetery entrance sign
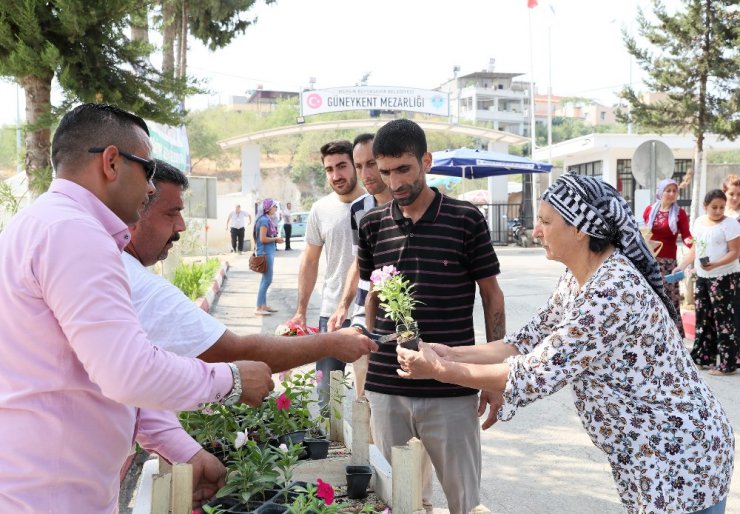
(374,98)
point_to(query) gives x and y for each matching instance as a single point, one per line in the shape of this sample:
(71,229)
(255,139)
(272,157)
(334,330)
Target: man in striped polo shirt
(356,290)
(443,247)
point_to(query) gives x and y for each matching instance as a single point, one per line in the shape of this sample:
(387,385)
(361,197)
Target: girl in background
(666,219)
(266,238)
(717,238)
(731,188)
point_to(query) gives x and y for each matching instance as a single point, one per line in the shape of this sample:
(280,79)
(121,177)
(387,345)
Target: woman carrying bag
(266,239)
(665,220)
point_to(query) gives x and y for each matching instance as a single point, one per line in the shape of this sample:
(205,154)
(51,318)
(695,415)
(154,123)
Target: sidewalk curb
(205,302)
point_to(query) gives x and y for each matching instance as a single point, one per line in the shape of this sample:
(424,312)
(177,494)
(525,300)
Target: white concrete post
(336,425)
(182,489)
(360,432)
(406,462)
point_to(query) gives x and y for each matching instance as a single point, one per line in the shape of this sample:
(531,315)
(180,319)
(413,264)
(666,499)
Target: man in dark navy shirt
(443,247)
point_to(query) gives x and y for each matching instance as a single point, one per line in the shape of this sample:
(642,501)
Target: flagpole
(549,100)
(532,131)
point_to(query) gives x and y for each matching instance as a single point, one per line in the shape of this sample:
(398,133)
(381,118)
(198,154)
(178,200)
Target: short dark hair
(398,137)
(339,147)
(713,195)
(91,125)
(362,139)
(166,173)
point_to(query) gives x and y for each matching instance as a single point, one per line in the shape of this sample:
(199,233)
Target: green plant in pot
(209,427)
(395,293)
(252,471)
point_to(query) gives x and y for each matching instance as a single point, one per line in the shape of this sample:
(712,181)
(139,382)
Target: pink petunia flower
(325,492)
(319,377)
(282,402)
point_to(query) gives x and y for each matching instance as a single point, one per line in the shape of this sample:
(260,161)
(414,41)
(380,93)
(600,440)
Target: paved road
(541,461)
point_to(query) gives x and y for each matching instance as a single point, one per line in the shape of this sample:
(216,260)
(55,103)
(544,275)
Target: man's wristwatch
(236,391)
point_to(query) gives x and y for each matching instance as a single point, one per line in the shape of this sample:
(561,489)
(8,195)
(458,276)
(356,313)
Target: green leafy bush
(194,279)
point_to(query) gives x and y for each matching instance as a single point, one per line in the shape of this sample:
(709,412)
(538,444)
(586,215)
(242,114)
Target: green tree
(81,44)
(693,61)
(215,23)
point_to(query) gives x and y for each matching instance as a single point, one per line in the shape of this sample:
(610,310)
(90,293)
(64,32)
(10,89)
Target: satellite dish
(651,162)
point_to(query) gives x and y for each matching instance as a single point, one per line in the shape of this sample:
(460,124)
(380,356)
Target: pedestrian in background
(288,224)
(666,220)
(717,238)
(731,188)
(238,221)
(266,240)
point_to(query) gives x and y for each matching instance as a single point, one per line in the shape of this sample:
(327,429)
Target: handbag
(258,263)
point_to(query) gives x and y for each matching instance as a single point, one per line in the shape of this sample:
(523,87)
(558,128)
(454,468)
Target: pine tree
(694,61)
(82,44)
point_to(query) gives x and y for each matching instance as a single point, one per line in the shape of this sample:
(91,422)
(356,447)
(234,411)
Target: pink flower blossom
(379,276)
(282,375)
(319,377)
(325,492)
(282,402)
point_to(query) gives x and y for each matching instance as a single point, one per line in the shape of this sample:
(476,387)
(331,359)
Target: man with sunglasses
(76,365)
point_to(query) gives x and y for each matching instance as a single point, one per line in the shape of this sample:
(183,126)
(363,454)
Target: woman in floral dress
(666,220)
(609,330)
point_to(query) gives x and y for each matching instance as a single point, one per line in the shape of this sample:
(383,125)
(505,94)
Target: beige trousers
(450,432)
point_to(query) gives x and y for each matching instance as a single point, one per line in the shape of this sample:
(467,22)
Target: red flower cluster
(291,329)
(325,492)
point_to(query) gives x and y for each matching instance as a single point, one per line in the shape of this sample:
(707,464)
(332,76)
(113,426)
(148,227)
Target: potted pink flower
(395,293)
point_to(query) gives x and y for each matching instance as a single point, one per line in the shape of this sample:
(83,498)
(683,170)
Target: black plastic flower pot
(358,479)
(225,503)
(316,448)
(293,437)
(408,335)
(218,450)
(272,508)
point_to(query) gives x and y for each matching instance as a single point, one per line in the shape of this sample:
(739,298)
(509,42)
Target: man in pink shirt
(74,360)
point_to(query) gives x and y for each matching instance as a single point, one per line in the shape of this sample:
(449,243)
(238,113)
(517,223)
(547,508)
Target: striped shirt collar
(429,216)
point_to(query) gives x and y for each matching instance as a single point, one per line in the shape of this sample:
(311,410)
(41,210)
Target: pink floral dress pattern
(638,394)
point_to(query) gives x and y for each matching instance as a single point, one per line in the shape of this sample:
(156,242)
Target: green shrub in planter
(194,279)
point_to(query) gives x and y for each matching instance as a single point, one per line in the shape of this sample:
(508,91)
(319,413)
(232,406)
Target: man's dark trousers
(288,231)
(237,238)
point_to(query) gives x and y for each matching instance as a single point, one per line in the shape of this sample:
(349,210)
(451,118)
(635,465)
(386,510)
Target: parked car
(298,222)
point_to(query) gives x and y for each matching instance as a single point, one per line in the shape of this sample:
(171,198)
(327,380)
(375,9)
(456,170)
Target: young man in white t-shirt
(328,228)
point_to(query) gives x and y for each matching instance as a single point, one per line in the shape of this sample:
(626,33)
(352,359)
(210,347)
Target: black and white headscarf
(597,209)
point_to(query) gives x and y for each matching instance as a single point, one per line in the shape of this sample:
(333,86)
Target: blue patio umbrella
(469,163)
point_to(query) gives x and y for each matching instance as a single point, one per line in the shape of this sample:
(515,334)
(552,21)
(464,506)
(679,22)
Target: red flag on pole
(531,4)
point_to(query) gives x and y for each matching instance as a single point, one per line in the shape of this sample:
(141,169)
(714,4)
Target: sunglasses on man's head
(150,166)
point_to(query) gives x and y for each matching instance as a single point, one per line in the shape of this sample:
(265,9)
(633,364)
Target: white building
(609,157)
(490,97)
